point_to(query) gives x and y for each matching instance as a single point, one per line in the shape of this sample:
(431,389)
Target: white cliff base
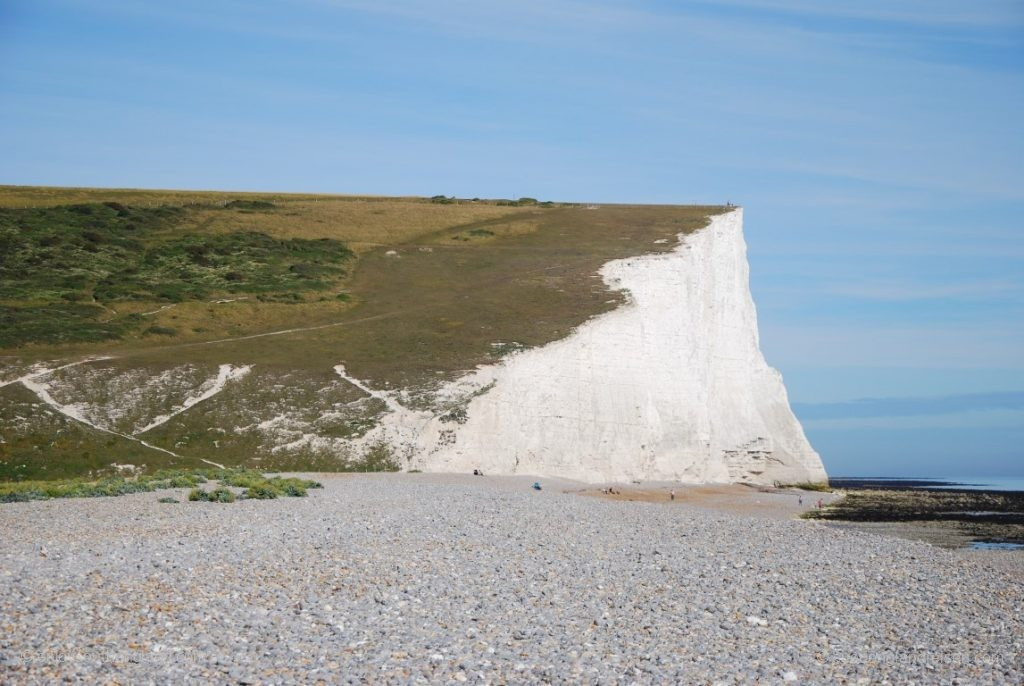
(671,386)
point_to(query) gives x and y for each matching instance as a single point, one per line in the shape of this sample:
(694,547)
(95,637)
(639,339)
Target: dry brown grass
(46,196)
(362,224)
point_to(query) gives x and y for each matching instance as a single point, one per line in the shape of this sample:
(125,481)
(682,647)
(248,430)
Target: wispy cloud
(937,13)
(901,290)
(911,407)
(838,344)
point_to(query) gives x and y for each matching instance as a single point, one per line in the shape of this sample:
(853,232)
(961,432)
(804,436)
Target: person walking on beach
(672,494)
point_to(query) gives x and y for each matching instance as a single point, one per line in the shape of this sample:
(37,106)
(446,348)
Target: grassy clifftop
(407,293)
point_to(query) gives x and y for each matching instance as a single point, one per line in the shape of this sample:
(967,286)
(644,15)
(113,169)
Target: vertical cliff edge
(671,386)
(664,381)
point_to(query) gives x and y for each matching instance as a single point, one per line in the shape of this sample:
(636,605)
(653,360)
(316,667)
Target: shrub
(217,495)
(222,495)
(294,490)
(168,500)
(259,492)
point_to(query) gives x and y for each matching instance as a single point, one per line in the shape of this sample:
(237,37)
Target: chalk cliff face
(672,386)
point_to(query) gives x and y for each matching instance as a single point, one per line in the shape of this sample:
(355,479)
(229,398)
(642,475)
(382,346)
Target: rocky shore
(946,517)
(432,579)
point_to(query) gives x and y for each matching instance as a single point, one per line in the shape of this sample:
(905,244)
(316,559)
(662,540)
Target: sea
(959,483)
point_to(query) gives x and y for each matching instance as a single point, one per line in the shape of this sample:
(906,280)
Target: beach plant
(257,486)
(260,492)
(222,495)
(217,495)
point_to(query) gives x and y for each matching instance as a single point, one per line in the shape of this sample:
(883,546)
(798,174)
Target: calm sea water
(986,483)
(972,483)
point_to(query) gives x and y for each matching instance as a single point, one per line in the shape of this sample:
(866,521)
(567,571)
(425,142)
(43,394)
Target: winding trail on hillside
(383,396)
(39,370)
(70,411)
(225,373)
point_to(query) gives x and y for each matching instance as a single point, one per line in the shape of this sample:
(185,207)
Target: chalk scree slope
(671,386)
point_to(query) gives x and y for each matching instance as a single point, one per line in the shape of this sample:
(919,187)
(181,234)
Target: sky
(876,147)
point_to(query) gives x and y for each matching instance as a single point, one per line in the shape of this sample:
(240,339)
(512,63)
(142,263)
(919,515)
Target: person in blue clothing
(536,485)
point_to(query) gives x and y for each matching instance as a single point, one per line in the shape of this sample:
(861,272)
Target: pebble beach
(417,578)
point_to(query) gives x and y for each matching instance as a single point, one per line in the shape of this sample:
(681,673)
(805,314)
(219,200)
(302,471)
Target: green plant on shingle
(217,495)
(293,490)
(259,492)
(256,484)
(222,495)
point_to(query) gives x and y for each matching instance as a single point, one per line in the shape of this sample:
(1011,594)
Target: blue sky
(876,147)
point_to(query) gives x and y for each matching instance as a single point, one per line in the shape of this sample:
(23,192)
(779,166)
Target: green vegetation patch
(20,491)
(260,487)
(217,495)
(60,265)
(256,484)
(60,323)
(378,458)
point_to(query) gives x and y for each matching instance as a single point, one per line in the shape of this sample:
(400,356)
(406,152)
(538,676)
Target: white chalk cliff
(670,386)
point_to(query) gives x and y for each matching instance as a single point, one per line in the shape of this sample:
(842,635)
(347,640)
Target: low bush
(256,485)
(217,495)
(260,492)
